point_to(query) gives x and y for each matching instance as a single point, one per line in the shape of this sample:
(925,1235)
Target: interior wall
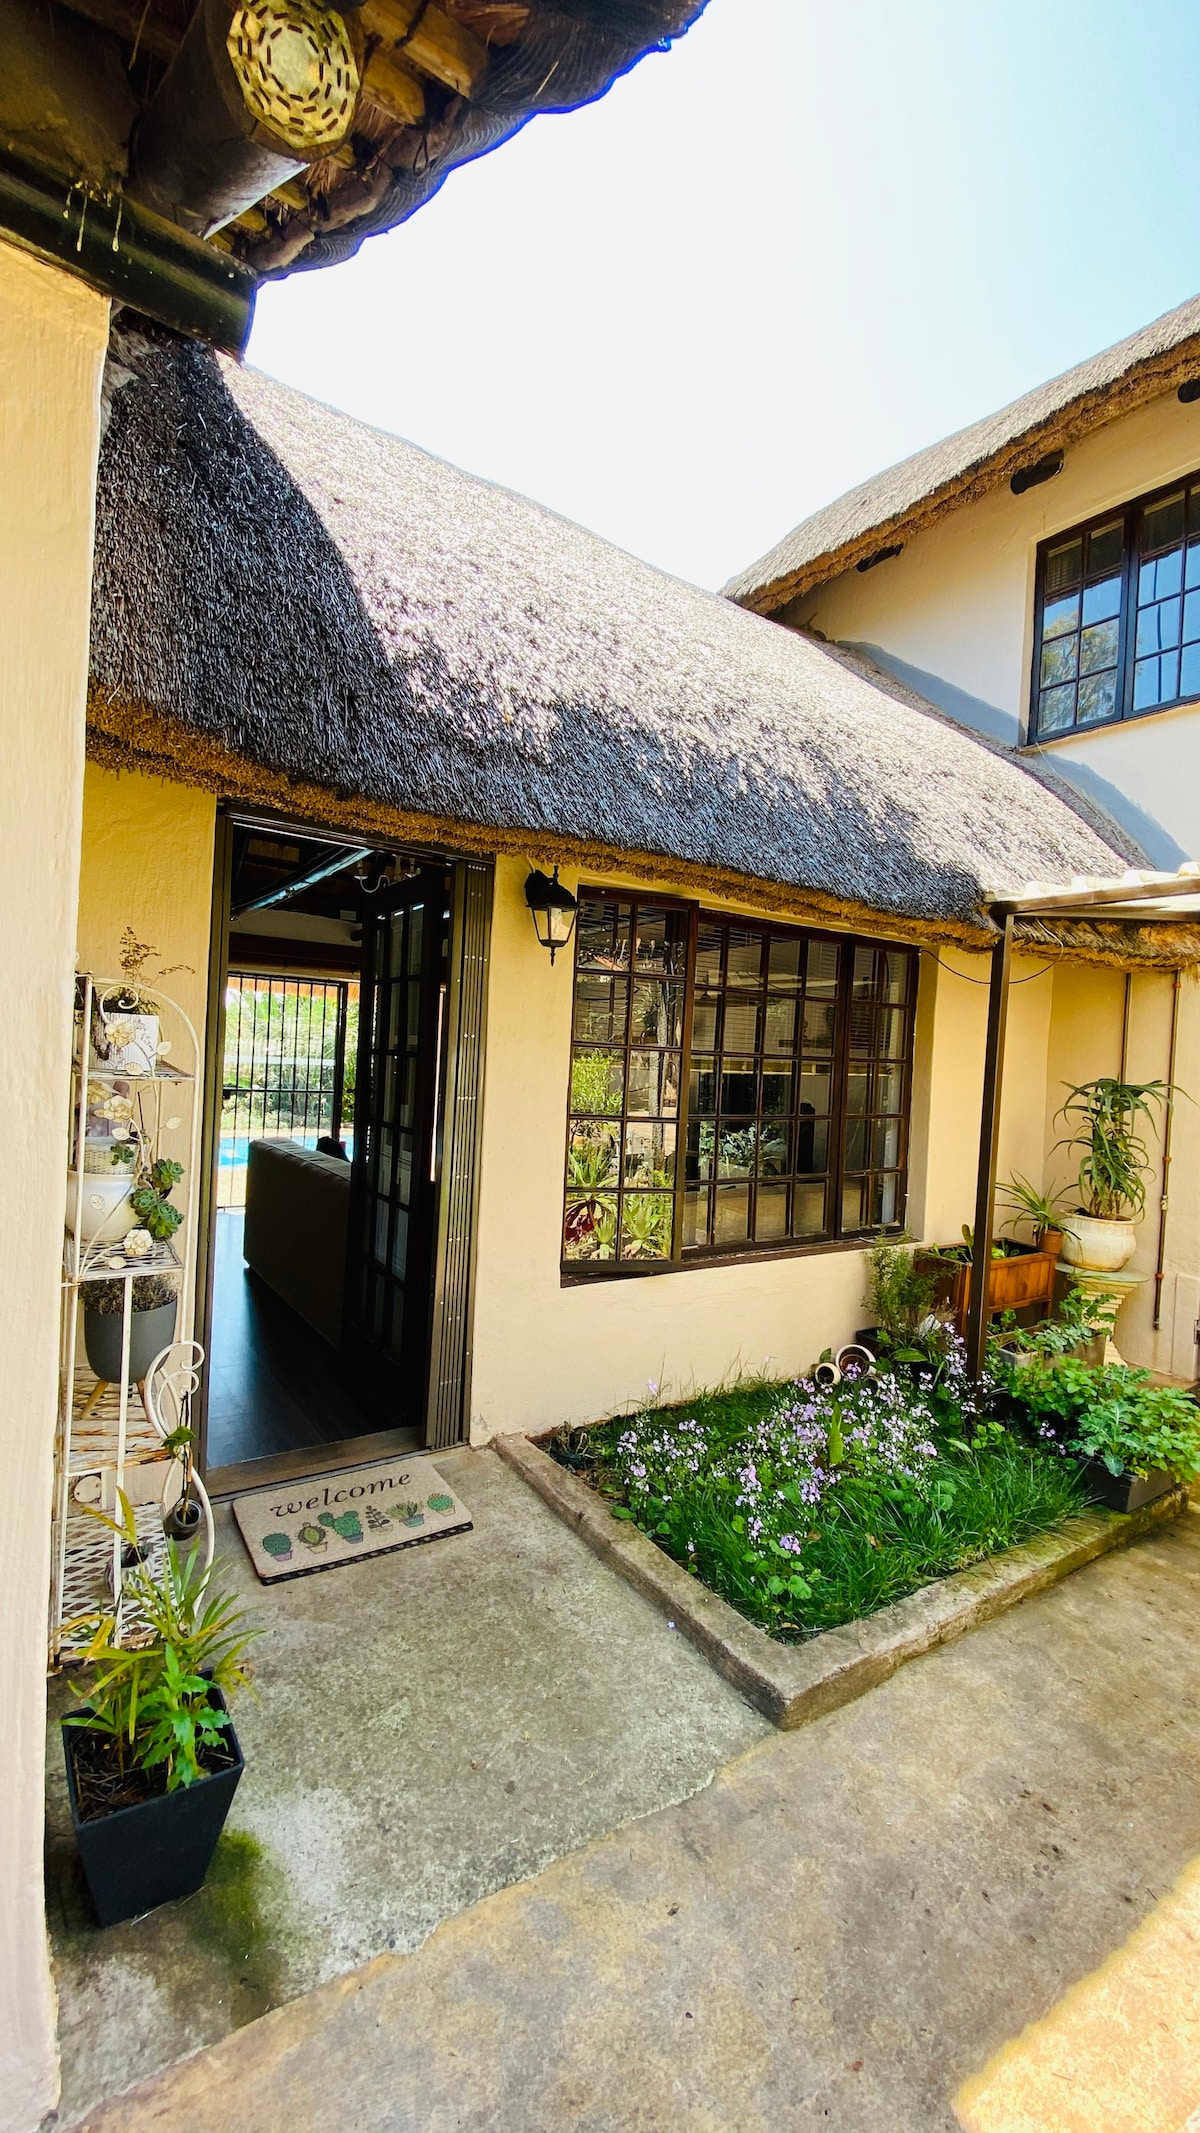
(545,1353)
(53,336)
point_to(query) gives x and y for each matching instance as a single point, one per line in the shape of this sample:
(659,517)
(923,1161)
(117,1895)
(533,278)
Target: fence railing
(290,1047)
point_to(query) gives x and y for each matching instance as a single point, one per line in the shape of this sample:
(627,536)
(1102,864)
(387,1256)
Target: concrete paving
(841,1930)
(428,1727)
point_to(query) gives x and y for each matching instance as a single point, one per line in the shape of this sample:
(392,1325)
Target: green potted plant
(1018,1274)
(1081,1330)
(1041,1210)
(151,1326)
(1134,1439)
(152,1759)
(1103,1117)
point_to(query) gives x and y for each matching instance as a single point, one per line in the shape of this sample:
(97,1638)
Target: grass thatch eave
(896,505)
(284,594)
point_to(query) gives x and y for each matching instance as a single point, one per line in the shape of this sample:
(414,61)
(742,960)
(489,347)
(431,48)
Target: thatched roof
(899,503)
(295,608)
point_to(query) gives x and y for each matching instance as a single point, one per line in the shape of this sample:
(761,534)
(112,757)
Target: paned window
(1118,621)
(734,1086)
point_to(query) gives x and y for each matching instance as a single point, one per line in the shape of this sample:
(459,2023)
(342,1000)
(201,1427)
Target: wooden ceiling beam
(429,39)
(393,87)
(135,25)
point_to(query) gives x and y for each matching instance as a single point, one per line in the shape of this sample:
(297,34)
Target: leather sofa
(297,1203)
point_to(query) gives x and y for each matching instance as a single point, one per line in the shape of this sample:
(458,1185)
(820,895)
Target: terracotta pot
(1050,1240)
(1102,1247)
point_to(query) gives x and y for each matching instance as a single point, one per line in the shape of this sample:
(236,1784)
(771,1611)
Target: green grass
(868,1543)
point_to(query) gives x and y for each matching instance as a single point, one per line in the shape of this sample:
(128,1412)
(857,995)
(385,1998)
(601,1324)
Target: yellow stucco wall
(544,1353)
(53,333)
(1086,1032)
(147,862)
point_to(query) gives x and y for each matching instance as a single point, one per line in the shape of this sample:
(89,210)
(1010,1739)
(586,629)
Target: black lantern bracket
(552,908)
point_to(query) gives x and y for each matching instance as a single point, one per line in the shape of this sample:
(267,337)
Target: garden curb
(792,1683)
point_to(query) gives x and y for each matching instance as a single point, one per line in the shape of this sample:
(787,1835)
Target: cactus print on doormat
(328,1519)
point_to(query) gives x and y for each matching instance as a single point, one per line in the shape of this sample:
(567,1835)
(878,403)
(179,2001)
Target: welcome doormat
(316,1524)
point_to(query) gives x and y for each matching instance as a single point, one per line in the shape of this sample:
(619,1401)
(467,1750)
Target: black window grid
(1081,678)
(756,1164)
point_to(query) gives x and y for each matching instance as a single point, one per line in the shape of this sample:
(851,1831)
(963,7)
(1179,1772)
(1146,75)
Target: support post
(53,336)
(989,1140)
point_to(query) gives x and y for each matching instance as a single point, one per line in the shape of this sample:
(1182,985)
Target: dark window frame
(837,1237)
(1131,515)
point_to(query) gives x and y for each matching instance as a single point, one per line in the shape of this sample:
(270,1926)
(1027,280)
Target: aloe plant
(1104,1114)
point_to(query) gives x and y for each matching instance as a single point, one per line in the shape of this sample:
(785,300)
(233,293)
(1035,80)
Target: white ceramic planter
(103,1209)
(133,1044)
(1103,1247)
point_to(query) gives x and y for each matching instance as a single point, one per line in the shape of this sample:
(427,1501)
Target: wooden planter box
(1025,1278)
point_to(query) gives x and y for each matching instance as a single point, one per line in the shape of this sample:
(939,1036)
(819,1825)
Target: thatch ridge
(899,503)
(284,596)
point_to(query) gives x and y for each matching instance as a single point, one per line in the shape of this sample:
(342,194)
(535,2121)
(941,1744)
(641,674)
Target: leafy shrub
(1117,1415)
(900,1296)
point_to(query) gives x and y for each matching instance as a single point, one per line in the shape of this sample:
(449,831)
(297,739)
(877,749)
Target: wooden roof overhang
(176,152)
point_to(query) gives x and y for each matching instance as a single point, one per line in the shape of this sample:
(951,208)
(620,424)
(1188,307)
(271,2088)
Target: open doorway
(334,1187)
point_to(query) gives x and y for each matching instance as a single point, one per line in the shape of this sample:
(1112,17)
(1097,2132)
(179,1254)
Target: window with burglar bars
(734,1086)
(1118,615)
(289,1066)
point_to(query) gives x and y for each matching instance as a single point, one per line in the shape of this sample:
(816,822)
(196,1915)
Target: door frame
(458,1131)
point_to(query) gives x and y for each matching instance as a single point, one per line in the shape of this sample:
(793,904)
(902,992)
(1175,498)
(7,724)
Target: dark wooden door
(390,1261)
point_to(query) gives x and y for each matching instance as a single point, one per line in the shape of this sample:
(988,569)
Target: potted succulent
(151,1326)
(1103,1116)
(152,1758)
(1134,1439)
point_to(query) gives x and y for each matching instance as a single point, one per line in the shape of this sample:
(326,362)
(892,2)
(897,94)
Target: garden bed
(809,1507)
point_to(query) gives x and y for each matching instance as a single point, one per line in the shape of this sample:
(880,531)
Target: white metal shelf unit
(105,1438)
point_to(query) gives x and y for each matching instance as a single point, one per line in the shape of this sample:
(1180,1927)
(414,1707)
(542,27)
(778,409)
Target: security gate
(285,1069)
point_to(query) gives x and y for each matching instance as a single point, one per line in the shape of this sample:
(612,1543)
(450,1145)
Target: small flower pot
(140,1857)
(1125,1492)
(184,1522)
(1100,1247)
(149,1331)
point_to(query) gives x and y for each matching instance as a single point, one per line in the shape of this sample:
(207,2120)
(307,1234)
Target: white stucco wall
(953,615)
(53,334)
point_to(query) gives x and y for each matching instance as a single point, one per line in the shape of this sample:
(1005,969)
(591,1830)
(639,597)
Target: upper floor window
(1118,615)
(734,1086)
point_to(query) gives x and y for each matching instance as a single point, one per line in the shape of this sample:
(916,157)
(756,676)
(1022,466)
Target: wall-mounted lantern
(553,908)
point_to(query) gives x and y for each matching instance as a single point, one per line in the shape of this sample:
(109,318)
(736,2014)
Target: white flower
(121,1031)
(138,1243)
(117,1109)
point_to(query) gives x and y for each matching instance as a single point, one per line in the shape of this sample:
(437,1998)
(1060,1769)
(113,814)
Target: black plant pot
(148,1332)
(140,1857)
(1125,1492)
(183,1522)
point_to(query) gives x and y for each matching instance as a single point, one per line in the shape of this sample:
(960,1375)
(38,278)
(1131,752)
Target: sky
(801,244)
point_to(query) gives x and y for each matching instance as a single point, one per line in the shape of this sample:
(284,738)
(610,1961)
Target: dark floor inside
(275,1386)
